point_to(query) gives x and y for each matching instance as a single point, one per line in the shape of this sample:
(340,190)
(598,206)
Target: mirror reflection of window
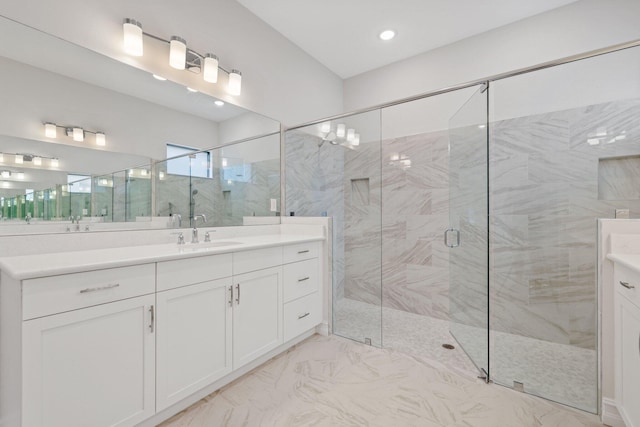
(79,183)
(191,163)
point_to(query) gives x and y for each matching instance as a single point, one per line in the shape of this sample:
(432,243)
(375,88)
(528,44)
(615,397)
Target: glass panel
(467,236)
(333,169)
(415,212)
(564,151)
(138,194)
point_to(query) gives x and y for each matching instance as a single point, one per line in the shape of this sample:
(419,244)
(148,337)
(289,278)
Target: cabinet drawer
(631,278)
(55,294)
(301,315)
(300,279)
(299,252)
(256,259)
(189,271)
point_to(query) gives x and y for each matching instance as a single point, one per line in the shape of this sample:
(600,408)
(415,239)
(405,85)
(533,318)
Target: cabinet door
(193,339)
(257,314)
(90,367)
(628,369)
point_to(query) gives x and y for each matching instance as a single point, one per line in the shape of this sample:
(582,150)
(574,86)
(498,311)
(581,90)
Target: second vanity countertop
(631,261)
(52,264)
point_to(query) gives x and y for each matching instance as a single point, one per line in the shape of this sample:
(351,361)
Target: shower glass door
(467,236)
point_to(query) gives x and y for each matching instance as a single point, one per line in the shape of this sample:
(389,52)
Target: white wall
(575,28)
(245,126)
(279,79)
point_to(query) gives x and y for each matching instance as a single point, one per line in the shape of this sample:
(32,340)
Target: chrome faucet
(28,218)
(194,232)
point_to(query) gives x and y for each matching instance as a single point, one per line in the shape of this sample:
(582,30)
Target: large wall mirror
(88,143)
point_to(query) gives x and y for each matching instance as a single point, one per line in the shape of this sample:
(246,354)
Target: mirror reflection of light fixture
(180,56)
(325,127)
(77,133)
(224,162)
(50,130)
(350,134)
(340,129)
(5,174)
(37,161)
(132,37)
(161,175)
(101,139)
(20,175)
(19,159)
(356,139)
(55,163)
(1,158)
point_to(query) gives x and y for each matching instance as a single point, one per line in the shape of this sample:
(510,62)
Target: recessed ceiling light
(157,77)
(219,103)
(191,90)
(387,35)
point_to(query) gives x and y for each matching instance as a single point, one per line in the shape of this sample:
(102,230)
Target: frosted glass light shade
(37,161)
(132,40)
(356,139)
(101,139)
(55,163)
(19,159)
(325,127)
(78,134)
(5,174)
(340,129)
(1,158)
(50,130)
(178,52)
(235,82)
(210,73)
(350,134)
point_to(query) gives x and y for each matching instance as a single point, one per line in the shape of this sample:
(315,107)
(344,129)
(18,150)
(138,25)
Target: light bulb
(210,73)
(55,163)
(132,41)
(19,159)
(235,82)
(224,163)
(5,174)
(325,127)
(340,130)
(350,134)
(78,134)
(37,161)
(101,139)
(161,175)
(50,130)
(177,52)
(356,139)
(1,158)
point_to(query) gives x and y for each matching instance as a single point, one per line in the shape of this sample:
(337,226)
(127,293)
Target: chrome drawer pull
(302,316)
(627,285)
(303,279)
(303,252)
(100,288)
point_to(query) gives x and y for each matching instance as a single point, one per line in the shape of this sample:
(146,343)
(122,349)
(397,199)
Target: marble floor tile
(331,381)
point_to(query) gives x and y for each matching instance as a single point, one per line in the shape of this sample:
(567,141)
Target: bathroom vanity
(626,280)
(122,336)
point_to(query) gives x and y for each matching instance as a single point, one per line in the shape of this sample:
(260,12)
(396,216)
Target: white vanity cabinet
(194,325)
(257,304)
(627,343)
(89,366)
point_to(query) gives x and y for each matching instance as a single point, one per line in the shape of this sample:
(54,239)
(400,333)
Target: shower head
(194,192)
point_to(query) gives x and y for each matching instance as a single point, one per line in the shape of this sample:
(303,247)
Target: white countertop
(631,261)
(51,264)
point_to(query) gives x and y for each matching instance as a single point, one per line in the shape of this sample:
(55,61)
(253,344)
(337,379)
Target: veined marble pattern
(329,381)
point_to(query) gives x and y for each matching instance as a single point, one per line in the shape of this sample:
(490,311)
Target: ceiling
(343,35)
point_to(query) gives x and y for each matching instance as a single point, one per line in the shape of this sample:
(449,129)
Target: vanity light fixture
(180,56)
(5,174)
(356,139)
(19,159)
(133,37)
(178,53)
(77,133)
(340,129)
(325,127)
(350,134)
(1,157)
(55,163)
(37,161)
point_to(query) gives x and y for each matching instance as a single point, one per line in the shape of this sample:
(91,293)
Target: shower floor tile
(558,372)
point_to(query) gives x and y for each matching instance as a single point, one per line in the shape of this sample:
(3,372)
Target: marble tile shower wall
(314,180)
(544,176)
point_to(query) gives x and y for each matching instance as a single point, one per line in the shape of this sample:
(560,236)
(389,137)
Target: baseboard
(610,415)
(323,329)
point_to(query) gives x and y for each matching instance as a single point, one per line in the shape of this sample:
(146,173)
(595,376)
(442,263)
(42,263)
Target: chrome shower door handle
(446,237)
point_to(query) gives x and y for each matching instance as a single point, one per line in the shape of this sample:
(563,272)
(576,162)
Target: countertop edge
(631,261)
(12,266)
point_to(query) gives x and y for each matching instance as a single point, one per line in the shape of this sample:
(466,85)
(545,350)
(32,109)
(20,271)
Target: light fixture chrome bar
(544,65)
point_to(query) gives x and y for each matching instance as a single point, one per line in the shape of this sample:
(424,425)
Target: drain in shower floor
(448,346)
